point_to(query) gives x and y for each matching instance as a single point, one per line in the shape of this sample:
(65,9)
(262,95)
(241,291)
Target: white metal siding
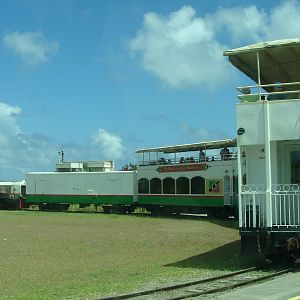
(250,116)
(106,183)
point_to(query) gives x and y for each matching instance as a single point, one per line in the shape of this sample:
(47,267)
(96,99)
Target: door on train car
(288,204)
(227,191)
(292,164)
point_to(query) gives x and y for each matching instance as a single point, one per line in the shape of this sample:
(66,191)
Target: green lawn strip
(84,256)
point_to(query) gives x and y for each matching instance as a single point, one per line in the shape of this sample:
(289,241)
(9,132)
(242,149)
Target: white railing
(253,206)
(285,205)
(254,93)
(184,160)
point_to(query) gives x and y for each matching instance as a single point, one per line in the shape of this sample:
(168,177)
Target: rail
(206,286)
(187,160)
(283,91)
(285,204)
(253,206)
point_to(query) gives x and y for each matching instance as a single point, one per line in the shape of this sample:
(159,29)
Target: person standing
(277,88)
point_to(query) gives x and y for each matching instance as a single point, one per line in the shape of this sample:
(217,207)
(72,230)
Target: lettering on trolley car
(182,168)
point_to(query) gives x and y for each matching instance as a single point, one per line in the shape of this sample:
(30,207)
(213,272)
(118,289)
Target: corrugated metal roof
(262,46)
(279,60)
(192,147)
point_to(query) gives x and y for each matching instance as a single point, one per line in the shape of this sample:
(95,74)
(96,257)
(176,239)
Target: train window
(235,184)
(169,186)
(155,186)
(143,186)
(295,166)
(198,185)
(244,179)
(182,185)
(23,190)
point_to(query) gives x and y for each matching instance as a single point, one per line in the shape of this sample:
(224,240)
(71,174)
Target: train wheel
(107,209)
(130,209)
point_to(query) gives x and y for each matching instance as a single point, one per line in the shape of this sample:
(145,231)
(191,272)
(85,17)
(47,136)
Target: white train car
(268,129)
(57,190)
(12,194)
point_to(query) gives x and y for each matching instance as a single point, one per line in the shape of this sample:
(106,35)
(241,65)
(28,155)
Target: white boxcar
(47,189)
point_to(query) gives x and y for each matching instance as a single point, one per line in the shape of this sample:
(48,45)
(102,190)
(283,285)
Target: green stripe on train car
(181,200)
(78,199)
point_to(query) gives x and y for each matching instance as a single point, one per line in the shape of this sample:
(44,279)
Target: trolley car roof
(279,60)
(192,147)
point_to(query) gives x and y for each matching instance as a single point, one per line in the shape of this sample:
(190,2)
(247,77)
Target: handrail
(185,160)
(264,94)
(248,96)
(268,85)
(285,206)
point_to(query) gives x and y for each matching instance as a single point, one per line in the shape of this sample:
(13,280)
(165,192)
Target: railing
(253,206)
(184,160)
(282,91)
(285,206)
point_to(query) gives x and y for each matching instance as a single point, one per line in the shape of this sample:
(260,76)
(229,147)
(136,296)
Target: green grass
(85,256)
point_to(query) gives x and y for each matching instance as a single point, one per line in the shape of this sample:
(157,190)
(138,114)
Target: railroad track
(202,287)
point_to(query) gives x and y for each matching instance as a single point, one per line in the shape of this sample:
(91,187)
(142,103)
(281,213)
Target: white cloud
(7,118)
(21,152)
(200,134)
(249,24)
(239,24)
(109,144)
(185,50)
(32,47)
(179,49)
(283,21)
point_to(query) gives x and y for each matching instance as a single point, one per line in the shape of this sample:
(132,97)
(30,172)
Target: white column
(258,74)
(240,178)
(268,165)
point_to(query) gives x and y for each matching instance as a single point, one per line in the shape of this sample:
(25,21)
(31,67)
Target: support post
(239,156)
(268,165)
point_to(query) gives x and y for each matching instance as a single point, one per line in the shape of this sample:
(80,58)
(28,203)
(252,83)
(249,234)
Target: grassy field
(84,256)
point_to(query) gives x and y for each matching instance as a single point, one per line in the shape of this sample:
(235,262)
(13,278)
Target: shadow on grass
(226,257)
(227,223)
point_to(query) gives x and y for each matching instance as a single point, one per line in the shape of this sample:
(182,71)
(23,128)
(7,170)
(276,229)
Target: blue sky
(101,79)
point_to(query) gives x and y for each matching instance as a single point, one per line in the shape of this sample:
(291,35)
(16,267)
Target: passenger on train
(225,154)
(125,168)
(162,161)
(202,156)
(246,90)
(181,161)
(277,88)
(248,97)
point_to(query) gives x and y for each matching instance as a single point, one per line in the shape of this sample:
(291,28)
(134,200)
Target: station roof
(279,60)
(192,147)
